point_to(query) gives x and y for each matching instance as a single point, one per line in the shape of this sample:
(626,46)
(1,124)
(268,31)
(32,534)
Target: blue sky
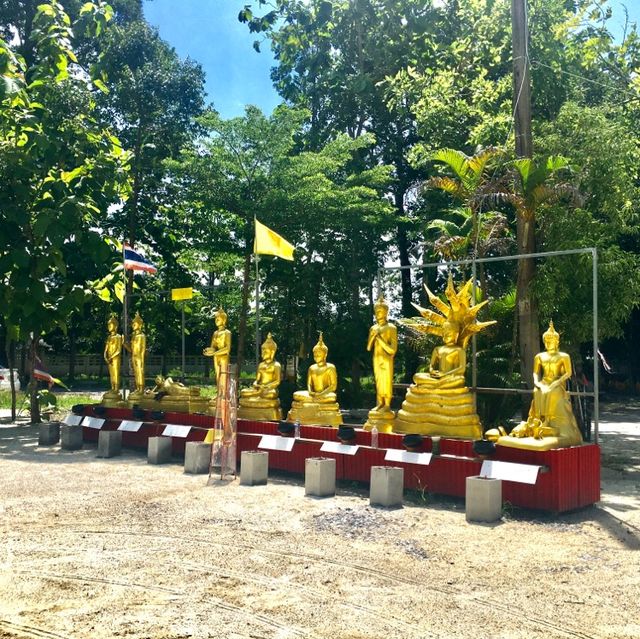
(208,31)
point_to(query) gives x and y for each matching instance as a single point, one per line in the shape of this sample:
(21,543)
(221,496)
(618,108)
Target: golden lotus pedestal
(255,412)
(384,421)
(448,412)
(112,399)
(312,414)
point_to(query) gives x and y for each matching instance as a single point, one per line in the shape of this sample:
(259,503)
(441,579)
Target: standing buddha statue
(383,340)
(220,348)
(137,346)
(113,356)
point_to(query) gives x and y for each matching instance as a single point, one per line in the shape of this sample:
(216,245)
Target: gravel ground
(102,548)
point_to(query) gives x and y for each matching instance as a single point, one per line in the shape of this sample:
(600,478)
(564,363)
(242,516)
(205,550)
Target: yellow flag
(268,242)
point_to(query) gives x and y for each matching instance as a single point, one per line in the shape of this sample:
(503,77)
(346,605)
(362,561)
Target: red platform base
(570,477)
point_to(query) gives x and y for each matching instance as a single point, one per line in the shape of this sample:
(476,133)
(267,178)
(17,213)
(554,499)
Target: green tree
(59,173)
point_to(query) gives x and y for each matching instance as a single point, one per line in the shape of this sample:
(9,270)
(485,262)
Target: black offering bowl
(77,409)
(484,448)
(157,415)
(347,434)
(286,429)
(412,442)
(99,410)
(138,413)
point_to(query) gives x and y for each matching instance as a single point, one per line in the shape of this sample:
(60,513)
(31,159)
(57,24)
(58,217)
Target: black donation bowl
(412,442)
(484,447)
(346,434)
(77,409)
(286,429)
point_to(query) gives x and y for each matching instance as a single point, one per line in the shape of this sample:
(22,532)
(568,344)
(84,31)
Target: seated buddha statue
(319,403)
(551,422)
(447,365)
(260,401)
(438,403)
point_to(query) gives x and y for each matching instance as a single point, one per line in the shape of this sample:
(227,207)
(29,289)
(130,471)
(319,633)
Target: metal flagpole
(125,328)
(257,310)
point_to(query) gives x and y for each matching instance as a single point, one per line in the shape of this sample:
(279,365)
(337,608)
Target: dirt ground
(102,548)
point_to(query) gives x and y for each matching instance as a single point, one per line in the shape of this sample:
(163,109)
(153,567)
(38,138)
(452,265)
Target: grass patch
(64,400)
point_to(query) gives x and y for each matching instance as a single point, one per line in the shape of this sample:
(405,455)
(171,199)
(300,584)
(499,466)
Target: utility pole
(527,308)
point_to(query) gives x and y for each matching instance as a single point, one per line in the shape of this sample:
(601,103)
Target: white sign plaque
(275,442)
(509,471)
(397,455)
(93,422)
(337,447)
(72,420)
(176,430)
(130,426)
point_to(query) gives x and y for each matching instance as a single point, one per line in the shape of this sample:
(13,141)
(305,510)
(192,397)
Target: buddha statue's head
(450,333)
(112,324)
(381,310)
(320,351)
(220,318)
(137,322)
(268,348)
(551,338)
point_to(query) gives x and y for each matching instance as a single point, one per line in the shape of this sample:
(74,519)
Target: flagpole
(257,258)
(125,328)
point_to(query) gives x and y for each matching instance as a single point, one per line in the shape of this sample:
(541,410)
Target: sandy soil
(101,548)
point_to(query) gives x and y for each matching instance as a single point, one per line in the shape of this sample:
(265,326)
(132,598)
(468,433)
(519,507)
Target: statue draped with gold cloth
(318,405)
(551,422)
(260,401)
(137,346)
(438,402)
(383,340)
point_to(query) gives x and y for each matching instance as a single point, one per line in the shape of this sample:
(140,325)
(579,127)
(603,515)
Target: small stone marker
(159,450)
(49,434)
(387,484)
(197,457)
(109,443)
(483,499)
(254,467)
(320,476)
(70,437)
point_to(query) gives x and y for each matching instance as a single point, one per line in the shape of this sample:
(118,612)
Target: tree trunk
(526,305)
(33,382)
(11,360)
(72,353)
(244,310)
(410,357)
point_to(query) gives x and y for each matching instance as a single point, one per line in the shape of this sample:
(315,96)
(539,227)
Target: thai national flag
(135,261)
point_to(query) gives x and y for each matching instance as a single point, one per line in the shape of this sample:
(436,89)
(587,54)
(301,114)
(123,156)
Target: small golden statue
(137,346)
(551,422)
(113,356)
(383,339)
(166,387)
(438,402)
(261,400)
(318,405)
(220,348)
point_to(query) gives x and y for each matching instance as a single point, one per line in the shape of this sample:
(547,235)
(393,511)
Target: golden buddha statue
(165,386)
(318,405)
(137,346)
(113,356)
(383,340)
(220,348)
(438,402)
(551,422)
(260,401)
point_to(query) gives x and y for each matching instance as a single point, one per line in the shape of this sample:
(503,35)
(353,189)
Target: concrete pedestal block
(254,467)
(387,484)
(49,434)
(109,443)
(70,437)
(483,499)
(159,450)
(197,456)
(320,476)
